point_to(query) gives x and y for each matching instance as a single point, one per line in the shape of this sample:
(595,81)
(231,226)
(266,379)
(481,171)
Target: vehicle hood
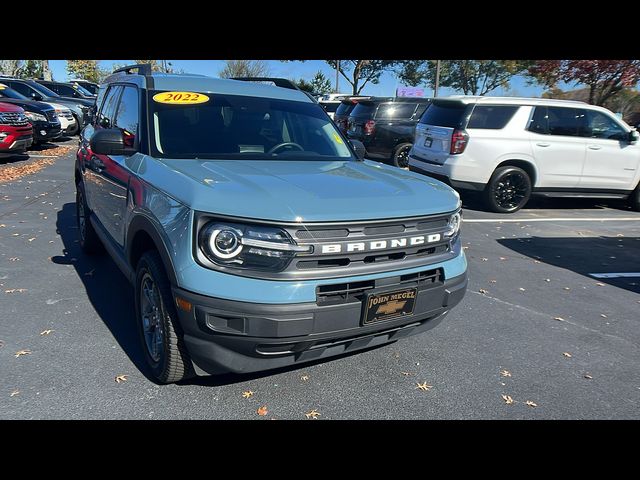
(8,107)
(79,101)
(28,105)
(299,190)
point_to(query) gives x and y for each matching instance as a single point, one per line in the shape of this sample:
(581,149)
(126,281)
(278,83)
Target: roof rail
(143,69)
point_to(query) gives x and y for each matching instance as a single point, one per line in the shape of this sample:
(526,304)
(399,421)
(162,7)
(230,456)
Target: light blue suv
(254,233)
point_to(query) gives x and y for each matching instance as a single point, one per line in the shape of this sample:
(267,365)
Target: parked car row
(50,110)
(508,149)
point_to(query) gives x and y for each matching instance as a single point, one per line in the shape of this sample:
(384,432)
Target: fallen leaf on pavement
(304,378)
(566,288)
(521,289)
(262,411)
(312,414)
(46,332)
(2,225)
(32,239)
(531,404)
(560,319)
(503,258)
(406,374)
(567,354)
(15,234)
(121,378)
(483,291)
(507,399)
(484,259)
(19,353)
(14,259)
(14,393)
(15,290)
(247,394)
(505,373)
(587,376)
(600,284)
(423,386)
(547,279)
(603,315)
(536,261)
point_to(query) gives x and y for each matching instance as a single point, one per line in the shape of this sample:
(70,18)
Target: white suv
(510,148)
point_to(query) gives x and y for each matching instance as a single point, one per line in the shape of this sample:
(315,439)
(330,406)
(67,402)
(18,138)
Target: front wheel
(508,190)
(158,323)
(400,156)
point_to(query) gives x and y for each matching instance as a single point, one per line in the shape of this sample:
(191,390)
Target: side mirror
(109,142)
(634,136)
(36,96)
(358,146)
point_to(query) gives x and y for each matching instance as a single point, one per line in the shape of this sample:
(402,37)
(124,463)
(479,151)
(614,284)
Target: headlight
(35,117)
(247,246)
(453,227)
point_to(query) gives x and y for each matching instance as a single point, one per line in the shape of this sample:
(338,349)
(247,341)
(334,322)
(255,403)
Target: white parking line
(43,156)
(559,219)
(615,275)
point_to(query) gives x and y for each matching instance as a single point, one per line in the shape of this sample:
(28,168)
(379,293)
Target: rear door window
(567,122)
(444,114)
(491,117)
(396,111)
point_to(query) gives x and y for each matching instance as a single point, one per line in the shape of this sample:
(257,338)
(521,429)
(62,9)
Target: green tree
(87,69)
(318,84)
(30,69)
(472,77)
(360,72)
(625,102)
(10,67)
(244,68)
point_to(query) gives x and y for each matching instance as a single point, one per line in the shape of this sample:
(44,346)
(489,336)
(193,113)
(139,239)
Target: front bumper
(234,336)
(51,131)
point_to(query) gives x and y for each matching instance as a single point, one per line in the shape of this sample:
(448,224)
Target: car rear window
(330,107)
(396,110)
(491,117)
(364,109)
(345,108)
(444,114)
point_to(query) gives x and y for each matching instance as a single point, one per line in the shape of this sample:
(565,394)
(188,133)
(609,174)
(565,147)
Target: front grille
(14,119)
(68,115)
(341,293)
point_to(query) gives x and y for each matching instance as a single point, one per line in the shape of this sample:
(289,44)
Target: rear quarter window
(396,111)
(364,110)
(345,108)
(444,114)
(491,117)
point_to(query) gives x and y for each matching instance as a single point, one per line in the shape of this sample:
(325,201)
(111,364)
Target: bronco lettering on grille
(346,247)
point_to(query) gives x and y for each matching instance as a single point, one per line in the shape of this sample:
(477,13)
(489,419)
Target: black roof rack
(278,82)
(143,69)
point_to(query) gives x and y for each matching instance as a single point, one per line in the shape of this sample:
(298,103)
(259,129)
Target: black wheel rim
(403,157)
(511,191)
(82,217)
(151,316)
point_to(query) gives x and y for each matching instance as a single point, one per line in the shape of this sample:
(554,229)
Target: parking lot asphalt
(535,326)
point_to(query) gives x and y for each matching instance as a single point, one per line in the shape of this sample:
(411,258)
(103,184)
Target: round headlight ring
(225,242)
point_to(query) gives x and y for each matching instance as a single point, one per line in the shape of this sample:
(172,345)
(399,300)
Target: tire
(89,241)
(158,323)
(634,199)
(508,190)
(400,157)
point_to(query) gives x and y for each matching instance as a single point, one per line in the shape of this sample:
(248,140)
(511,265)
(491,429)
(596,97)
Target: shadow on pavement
(473,201)
(585,255)
(108,290)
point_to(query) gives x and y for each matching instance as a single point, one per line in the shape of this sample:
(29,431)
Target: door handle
(97,164)
(594,147)
(543,144)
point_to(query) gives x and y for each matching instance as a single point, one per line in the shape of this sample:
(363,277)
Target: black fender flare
(143,223)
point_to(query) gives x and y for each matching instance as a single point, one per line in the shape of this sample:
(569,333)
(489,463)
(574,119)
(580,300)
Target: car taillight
(459,140)
(369,127)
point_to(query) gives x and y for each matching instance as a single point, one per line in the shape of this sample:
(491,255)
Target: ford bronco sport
(253,232)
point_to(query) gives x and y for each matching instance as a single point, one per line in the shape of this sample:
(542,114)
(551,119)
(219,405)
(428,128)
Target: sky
(294,69)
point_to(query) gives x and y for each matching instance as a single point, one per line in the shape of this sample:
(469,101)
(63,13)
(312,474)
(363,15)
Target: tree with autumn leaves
(604,78)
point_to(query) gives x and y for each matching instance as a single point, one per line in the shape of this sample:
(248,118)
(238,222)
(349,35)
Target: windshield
(241,127)
(44,91)
(93,89)
(83,90)
(7,92)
